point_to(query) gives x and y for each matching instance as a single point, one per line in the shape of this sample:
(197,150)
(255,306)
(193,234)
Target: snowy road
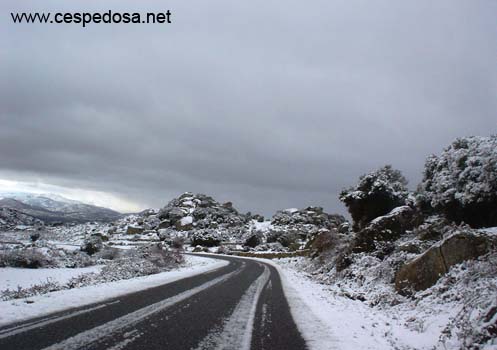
(239,306)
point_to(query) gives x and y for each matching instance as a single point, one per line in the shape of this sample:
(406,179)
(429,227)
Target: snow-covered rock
(426,269)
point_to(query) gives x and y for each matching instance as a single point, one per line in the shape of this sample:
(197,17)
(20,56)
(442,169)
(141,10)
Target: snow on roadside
(12,277)
(351,323)
(328,321)
(18,310)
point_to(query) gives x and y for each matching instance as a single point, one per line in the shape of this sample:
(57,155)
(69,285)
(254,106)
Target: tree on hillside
(461,183)
(376,194)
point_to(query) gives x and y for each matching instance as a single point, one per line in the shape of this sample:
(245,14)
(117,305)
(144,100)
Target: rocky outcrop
(386,228)
(290,227)
(433,228)
(192,212)
(206,239)
(307,216)
(190,216)
(133,230)
(425,270)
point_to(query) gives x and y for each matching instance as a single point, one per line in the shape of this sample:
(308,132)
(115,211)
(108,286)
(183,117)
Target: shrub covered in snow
(92,245)
(461,183)
(177,242)
(133,263)
(36,289)
(146,260)
(376,194)
(43,254)
(254,240)
(25,257)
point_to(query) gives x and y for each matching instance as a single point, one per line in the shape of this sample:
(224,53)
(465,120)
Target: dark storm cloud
(269,104)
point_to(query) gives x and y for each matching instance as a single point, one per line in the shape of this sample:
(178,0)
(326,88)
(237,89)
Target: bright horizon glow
(98,198)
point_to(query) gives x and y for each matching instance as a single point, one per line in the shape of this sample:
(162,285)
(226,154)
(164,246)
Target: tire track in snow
(4,333)
(237,329)
(97,334)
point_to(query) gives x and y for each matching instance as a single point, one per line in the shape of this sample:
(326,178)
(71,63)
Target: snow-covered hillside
(54,208)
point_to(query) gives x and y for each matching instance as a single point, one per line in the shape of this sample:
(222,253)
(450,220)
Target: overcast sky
(269,104)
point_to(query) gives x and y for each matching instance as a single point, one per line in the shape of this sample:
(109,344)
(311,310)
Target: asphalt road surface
(240,306)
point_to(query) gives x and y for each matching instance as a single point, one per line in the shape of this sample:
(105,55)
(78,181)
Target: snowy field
(18,310)
(12,277)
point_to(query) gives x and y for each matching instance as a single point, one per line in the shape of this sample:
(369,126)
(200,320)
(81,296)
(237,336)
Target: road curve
(240,306)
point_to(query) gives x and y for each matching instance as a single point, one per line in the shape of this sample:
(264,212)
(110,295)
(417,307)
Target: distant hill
(11,218)
(53,208)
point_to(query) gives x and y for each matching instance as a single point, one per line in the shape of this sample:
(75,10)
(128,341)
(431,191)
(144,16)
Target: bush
(461,183)
(253,241)
(36,289)
(92,245)
(108,253)
(376,194)
(177,243)
(26,258)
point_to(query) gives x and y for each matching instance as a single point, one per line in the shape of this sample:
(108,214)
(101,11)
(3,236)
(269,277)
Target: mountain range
(52,208)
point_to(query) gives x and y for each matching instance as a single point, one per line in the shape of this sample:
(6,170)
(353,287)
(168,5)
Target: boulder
(425,270)
(175,214)
(206,239)
(133,230)
(433,229)
(344,228)
(185,224)
(164,224)
(464,246)
(421,273)
(386,228)
(321,242)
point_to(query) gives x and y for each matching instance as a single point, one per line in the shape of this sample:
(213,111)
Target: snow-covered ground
(18,310)
(328,321)
(12,277)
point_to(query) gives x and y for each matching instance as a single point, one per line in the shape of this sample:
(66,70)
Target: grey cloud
(269,104)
